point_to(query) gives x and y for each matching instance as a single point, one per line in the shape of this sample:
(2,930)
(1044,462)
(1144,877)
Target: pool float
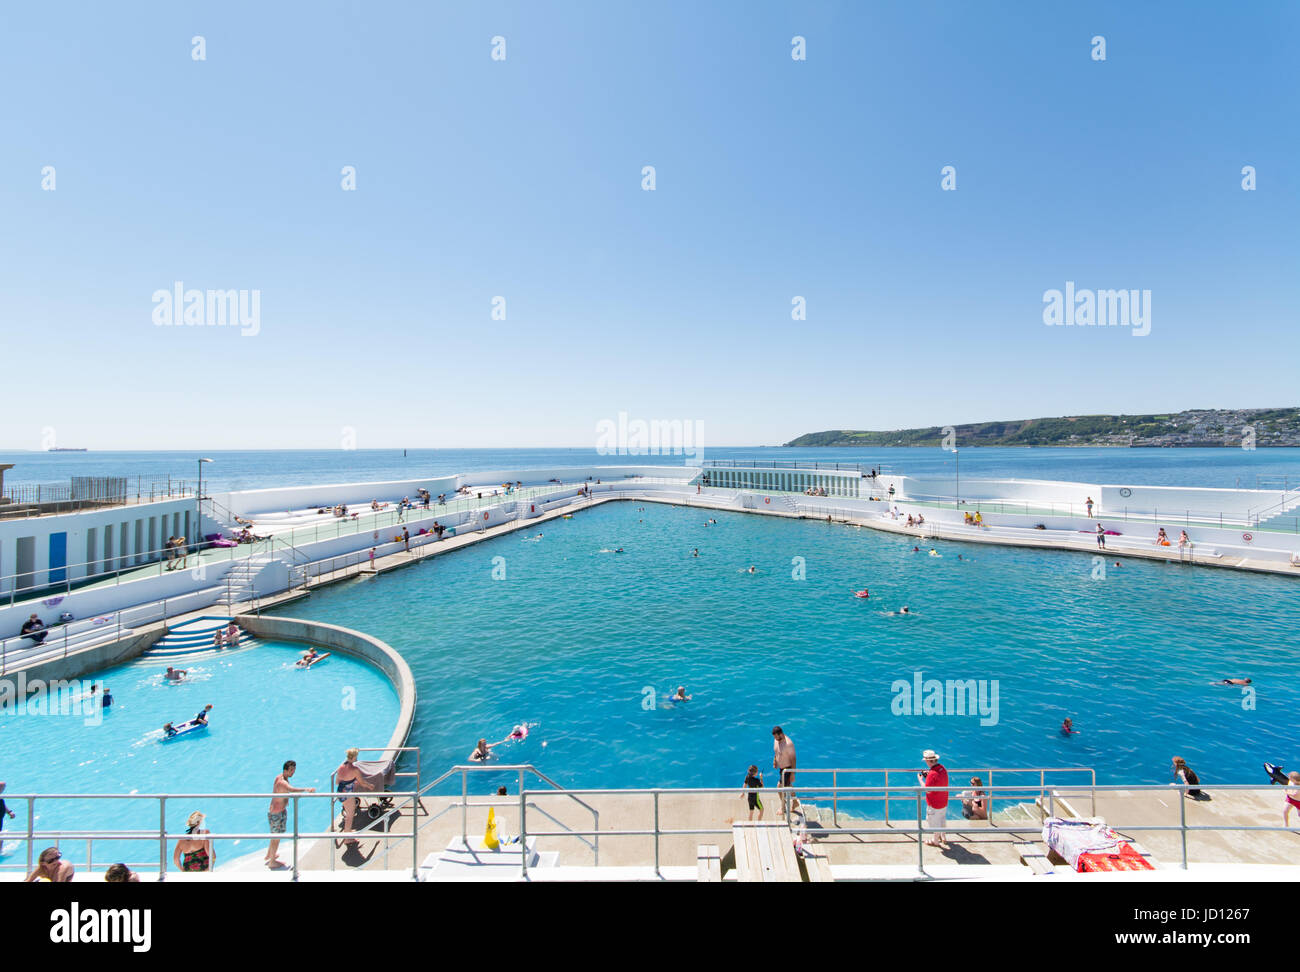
(306,663)
(861,593)
(519,732)
(185,729)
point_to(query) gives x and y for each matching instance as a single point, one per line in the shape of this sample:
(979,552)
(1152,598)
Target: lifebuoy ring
(767,499)
(485,516)
(1248,537)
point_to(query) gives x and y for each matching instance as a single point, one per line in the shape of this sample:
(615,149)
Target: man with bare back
(783,761)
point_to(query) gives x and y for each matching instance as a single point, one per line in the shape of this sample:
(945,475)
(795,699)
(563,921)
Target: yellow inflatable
(490,835)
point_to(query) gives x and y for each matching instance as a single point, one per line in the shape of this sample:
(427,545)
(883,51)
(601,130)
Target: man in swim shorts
(783,760)
(277,816)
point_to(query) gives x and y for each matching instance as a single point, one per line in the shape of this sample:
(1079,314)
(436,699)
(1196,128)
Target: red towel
(1123,858)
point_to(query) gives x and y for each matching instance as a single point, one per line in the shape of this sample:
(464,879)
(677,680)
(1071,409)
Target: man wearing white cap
(936,800)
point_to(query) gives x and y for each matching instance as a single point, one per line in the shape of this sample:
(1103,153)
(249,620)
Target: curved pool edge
(355,643)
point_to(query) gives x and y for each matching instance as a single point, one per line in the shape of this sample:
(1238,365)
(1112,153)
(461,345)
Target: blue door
(58,557)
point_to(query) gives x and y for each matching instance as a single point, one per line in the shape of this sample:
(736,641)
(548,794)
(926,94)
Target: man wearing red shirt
(936,800)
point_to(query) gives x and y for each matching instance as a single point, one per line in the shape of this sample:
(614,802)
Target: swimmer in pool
(174,674)
(482,752)
(1235,681)
(752,569)
(680,695)
(916,550)
(901,611)
(695,552)
(1067,727)
(934,553)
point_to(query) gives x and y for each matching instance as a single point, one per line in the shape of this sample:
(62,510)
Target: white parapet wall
(282,499)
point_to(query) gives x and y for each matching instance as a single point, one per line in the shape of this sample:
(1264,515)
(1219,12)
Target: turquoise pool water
(572,636)
(265,711)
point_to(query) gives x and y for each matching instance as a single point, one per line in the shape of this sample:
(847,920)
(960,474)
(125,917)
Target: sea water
(561,631)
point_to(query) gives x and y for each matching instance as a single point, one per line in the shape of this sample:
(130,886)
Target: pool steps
(195,637)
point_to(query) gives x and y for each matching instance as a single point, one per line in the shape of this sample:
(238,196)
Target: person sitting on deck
(979,518)
(34,628)
(1162,540)
(974,802)
(1185,774)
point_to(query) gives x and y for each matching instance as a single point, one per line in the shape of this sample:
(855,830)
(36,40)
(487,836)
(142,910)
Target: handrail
(1046,792)
(521,768)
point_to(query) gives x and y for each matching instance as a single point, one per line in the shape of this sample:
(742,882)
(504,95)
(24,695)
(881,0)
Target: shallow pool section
(586,643)
(265,711)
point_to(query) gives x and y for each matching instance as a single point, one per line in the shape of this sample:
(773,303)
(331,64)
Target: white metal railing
(1045,796)
(160,837)
(1042,795)
(522,771)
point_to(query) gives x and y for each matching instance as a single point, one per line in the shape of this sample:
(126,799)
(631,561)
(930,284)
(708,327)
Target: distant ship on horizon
(66,449)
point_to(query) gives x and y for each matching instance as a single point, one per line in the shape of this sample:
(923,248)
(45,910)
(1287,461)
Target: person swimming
(482,752)
(695,552)
(935,553)
(1236,681)
(174,674)
(1067,727)
(752,569)
(680,695)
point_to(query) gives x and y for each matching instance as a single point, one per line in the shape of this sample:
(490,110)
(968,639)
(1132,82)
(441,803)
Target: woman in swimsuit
(348,778)
(482,752)
(194,853)
(1292,797)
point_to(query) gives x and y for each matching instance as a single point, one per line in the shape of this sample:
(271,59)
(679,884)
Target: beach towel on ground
(1072,838)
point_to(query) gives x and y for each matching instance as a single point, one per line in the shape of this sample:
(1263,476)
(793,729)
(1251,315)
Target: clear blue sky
(522,178)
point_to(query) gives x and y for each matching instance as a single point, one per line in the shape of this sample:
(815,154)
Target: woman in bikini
(194,853)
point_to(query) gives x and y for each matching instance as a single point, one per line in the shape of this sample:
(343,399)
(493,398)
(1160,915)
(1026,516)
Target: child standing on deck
(754,783)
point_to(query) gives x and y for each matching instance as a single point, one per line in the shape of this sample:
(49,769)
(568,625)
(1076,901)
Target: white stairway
(472,861)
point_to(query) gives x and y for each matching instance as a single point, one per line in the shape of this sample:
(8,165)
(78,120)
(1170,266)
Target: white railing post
(162,838)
